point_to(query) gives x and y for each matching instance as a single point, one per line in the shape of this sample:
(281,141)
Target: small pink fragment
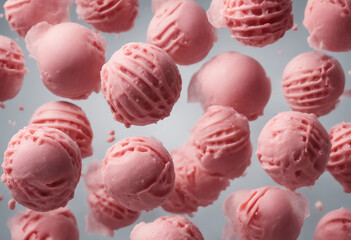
(110,139)
(1,15)
(2,105)
(347,93)
(112,132)
(12,204)
(20,107)
(13,123)
(1,197)
(117,36)
(349,72)
(280,52)
(294,27)
(319,206)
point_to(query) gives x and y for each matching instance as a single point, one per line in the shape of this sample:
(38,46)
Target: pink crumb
(294,27)
(349,72)
(110,139)
(1,15)
(280,52)
(2,105)
(1,197)
(12,204)
(13,123)
(112,132)
(20,107)
(347,93)
(319,206)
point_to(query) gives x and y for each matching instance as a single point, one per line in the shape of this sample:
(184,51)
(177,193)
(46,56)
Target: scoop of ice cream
(253,23)
(68,118)
(24,14)
(59,224)
(232,79)
(12,68)
(112,16)
(106,214)
(42,168)
(69,57)
(267,213)
(293,148)
(329,24)
(181,28)
(313,82)
(138,172)
(334,225)
(339,164)
(141,83)
(169,227)
(222,139)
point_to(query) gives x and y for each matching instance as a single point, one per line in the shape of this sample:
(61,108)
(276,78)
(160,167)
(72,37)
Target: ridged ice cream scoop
(70,119)
(313,83)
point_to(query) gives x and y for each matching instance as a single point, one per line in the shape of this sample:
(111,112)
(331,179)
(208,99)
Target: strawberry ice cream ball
(313,83)
(181,28)
(12,68)
(293,148)
(42,168)
(111,16)
(141,83)
(22,15)
(138,172)
(232,79)
(58,224)
(69,57)
(329,23)
(169,227)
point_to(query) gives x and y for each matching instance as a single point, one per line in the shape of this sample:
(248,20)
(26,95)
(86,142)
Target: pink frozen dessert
(42,168)
(12,68)
(139,173)
(267,213)
(293,148)
(313,83)
(69,57)
(334,225)
(70,119)
(253,23)
(232,79)
(141,83)
(329,24)
(169,227)
(112,16)
(181,28)
(59,224)
(24,14)
(339,164)
(106,214)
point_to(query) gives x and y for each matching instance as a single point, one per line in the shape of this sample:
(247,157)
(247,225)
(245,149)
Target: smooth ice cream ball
(141,83)
(69,57)
(106,214)
(232,79)
(293,148)
(329,23)
(138,172)
(267,213)
(334,225)
(339,164)
(313,83)
(42,168)
(22,15)
(169,227)
(112,16)
(181,28)
(253,23)
(59,224)
(70,119)
(222,139)
(12,68)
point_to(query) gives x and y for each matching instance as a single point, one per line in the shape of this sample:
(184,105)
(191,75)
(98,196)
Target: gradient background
(174,130)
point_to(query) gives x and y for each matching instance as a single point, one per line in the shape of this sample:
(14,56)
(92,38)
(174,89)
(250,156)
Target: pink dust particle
(1,197)
(110,139)
(14,123)
(2,105)
(280,52)
(12,204)
(294,27)
(347,93)
(1,15)
(349,72)
(112,132)
(20,107)
(319,206)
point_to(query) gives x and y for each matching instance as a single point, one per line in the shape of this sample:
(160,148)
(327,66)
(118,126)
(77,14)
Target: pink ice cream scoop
(169,227)
(329,24)
(253,23)
(24,14)
(68,118)
(141,83)
(222,139)
(112,16)
(339,164)
(267,213)
(334,225)
(232,79)
(69,57)
(313,83)
(293,148)
(106,214)
(59,224)
(12,68)
(181,28)
(139,173)
(42,168)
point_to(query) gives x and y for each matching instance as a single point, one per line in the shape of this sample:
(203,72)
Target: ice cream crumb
(110,139)
(280,52)
(2,105)
(347,93)
(112,132)
(12,204)
(1,15)
(294,27)
(319,206)
(20,107)
(1,197)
